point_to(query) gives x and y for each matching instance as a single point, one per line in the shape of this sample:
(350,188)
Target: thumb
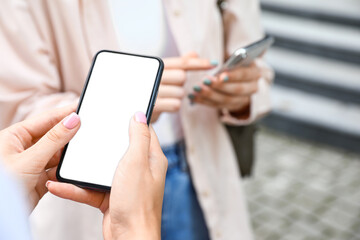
(191,55)
(140,137)
(55,139)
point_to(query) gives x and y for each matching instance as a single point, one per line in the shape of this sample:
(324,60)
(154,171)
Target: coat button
(191,149)
(205,194)
(177,13)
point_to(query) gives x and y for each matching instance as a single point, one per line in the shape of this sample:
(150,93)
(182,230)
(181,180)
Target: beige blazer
(46,49)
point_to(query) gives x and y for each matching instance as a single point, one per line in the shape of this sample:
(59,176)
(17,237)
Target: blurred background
(306,183)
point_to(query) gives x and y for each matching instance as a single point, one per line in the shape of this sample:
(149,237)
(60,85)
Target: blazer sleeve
(242,26)
(29,77)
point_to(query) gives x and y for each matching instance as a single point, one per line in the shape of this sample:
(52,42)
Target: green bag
(243,139)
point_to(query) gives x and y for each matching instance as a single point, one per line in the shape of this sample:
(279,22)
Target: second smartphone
(246,55)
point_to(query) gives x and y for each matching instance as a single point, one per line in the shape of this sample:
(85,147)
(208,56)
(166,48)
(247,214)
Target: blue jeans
(182,217)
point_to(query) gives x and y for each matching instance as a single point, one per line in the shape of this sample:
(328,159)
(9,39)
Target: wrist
(140,229)
(243,112)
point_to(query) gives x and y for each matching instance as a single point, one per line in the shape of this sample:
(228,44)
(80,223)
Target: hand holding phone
(33,155)
(171,91)
(232,86)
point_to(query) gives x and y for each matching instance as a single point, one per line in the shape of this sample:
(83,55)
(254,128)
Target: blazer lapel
(99,32)
(174,10)
(191,28)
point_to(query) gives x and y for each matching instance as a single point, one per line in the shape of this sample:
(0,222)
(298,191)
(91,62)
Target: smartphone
(246,55)
(117,86)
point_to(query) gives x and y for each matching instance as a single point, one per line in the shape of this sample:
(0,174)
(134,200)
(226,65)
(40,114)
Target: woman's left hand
(230,90)
(31,149)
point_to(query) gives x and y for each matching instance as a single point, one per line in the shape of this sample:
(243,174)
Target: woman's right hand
(171,91)
(132,210)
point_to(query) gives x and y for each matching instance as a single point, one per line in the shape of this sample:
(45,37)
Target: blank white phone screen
(119,86)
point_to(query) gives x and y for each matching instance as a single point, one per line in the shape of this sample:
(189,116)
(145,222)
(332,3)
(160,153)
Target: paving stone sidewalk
(303,190)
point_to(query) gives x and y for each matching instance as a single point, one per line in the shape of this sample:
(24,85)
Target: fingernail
(191,96)
(197,88)
(225,78)
(140,117)
(214,62)
(47,183)
(71,121)
(207,82)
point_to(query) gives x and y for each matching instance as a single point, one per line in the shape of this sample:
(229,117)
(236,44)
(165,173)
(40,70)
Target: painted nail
(197,88)
(207,82)
(71,121)
(225,78)
(140,117)
(47,183)
(191,96)
(214,62)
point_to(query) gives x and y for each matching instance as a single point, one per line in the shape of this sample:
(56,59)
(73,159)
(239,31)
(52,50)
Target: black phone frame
(149,111)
